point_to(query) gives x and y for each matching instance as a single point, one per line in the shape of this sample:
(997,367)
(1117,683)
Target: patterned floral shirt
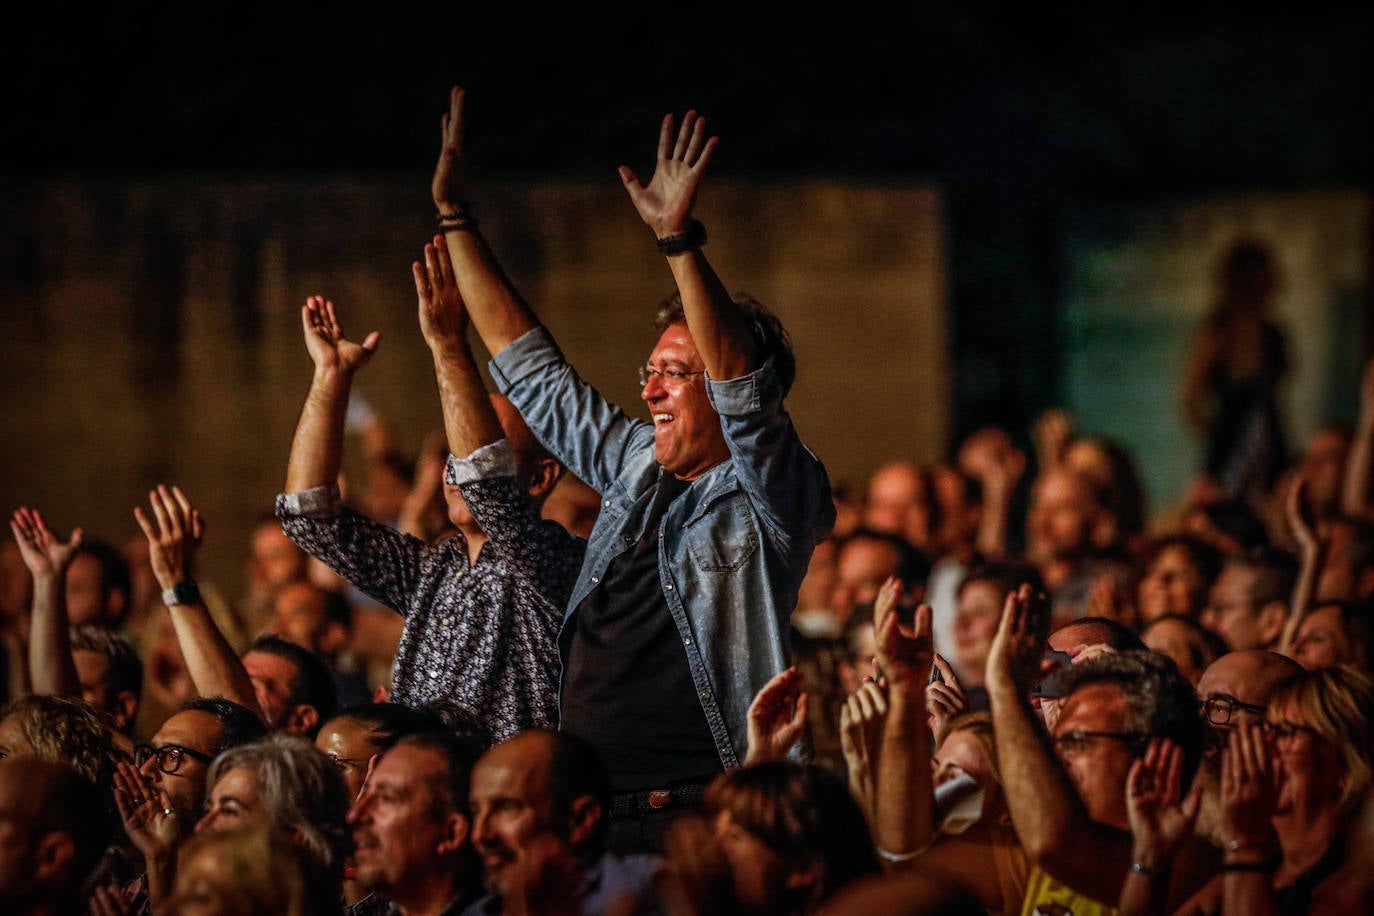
(483,635)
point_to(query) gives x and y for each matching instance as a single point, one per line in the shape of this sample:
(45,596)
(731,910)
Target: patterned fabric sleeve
(381,561)
(542,551)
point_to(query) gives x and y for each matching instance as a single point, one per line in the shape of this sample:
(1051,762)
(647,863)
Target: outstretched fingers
(164,525)
(630,180)
(446,274)
(453,121)
(665,137)
(422,290)
(1173,772)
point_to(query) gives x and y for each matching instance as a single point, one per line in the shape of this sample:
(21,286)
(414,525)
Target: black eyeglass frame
(1230,704)
(1136,741)
(169,757)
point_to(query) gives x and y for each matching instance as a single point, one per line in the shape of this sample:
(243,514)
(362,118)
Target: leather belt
(638,804)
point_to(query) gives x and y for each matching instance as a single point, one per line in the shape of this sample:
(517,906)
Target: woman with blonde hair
(250,871)
(1291,791)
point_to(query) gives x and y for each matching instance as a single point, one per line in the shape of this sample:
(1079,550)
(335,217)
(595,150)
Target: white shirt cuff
(495,459)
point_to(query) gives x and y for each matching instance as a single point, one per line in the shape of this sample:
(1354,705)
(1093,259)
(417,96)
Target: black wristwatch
(184,592)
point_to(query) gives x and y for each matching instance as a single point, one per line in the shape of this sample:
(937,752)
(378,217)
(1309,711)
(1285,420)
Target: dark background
(1017,117)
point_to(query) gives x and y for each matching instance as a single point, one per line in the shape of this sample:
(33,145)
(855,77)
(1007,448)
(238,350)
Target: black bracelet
(692,236)
(462,221)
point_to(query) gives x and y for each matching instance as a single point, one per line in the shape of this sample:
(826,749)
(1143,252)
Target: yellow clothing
(1048,897)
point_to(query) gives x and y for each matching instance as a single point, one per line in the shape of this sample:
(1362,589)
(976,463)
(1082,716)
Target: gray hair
(300,789)
(1160,702)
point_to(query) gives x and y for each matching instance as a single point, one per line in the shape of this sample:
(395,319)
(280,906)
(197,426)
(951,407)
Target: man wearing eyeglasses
(710,508)
(1066,790)
(1235,688)
(177,759)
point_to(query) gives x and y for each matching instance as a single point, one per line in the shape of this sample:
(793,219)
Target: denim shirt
(733,548)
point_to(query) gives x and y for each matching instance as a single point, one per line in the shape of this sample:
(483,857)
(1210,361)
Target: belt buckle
(660,798)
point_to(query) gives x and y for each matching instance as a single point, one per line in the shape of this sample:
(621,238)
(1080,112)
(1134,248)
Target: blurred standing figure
(1231,391)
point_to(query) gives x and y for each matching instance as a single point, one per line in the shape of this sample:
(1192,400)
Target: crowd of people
(573,661)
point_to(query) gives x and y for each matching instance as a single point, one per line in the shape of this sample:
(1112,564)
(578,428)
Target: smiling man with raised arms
(710,511)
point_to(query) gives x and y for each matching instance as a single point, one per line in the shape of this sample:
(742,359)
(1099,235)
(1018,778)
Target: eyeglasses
(169,756)
(1219,710)
(1284,729)
(1076,741)
(671,378)
(348,763)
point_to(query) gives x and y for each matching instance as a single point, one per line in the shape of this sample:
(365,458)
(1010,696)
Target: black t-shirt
(626,685)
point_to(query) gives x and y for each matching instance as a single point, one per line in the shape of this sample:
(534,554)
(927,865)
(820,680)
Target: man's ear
(52,858)
(583,818)
(124,709)
(543,476)
(1272,617)
(302,719)
(457,828)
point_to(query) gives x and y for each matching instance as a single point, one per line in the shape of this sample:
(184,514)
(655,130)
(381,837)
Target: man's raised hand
(447,186)
(777,717)
(443,315)
(174,540)
(905,654)
(324,338)
(43,553)
(665,204)
(1017,653)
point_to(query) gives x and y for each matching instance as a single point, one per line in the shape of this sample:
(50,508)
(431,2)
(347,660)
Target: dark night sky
(1101,100)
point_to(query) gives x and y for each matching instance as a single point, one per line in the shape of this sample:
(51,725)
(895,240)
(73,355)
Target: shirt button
(606,503)
(595,580)
(433,672)
(668,587)
(686,642)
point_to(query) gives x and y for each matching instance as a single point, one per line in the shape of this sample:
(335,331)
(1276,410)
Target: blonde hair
(65,731)
(1335,703)
(979,725)
(264,874)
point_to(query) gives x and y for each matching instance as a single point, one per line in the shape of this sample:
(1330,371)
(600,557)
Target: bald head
(1250,676)
(897,492)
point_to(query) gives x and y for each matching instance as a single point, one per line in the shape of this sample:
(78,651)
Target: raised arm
(720,331)
(497,311)
(317,449)
(1050,818)
(174,534)
(904,811)
(1162,820)
(469,420)
(50,649)
(1359,466)
(1311,556)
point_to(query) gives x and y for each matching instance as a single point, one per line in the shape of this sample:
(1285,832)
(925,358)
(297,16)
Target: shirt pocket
(722,538)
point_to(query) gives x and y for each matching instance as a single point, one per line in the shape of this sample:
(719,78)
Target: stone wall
(150,331)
